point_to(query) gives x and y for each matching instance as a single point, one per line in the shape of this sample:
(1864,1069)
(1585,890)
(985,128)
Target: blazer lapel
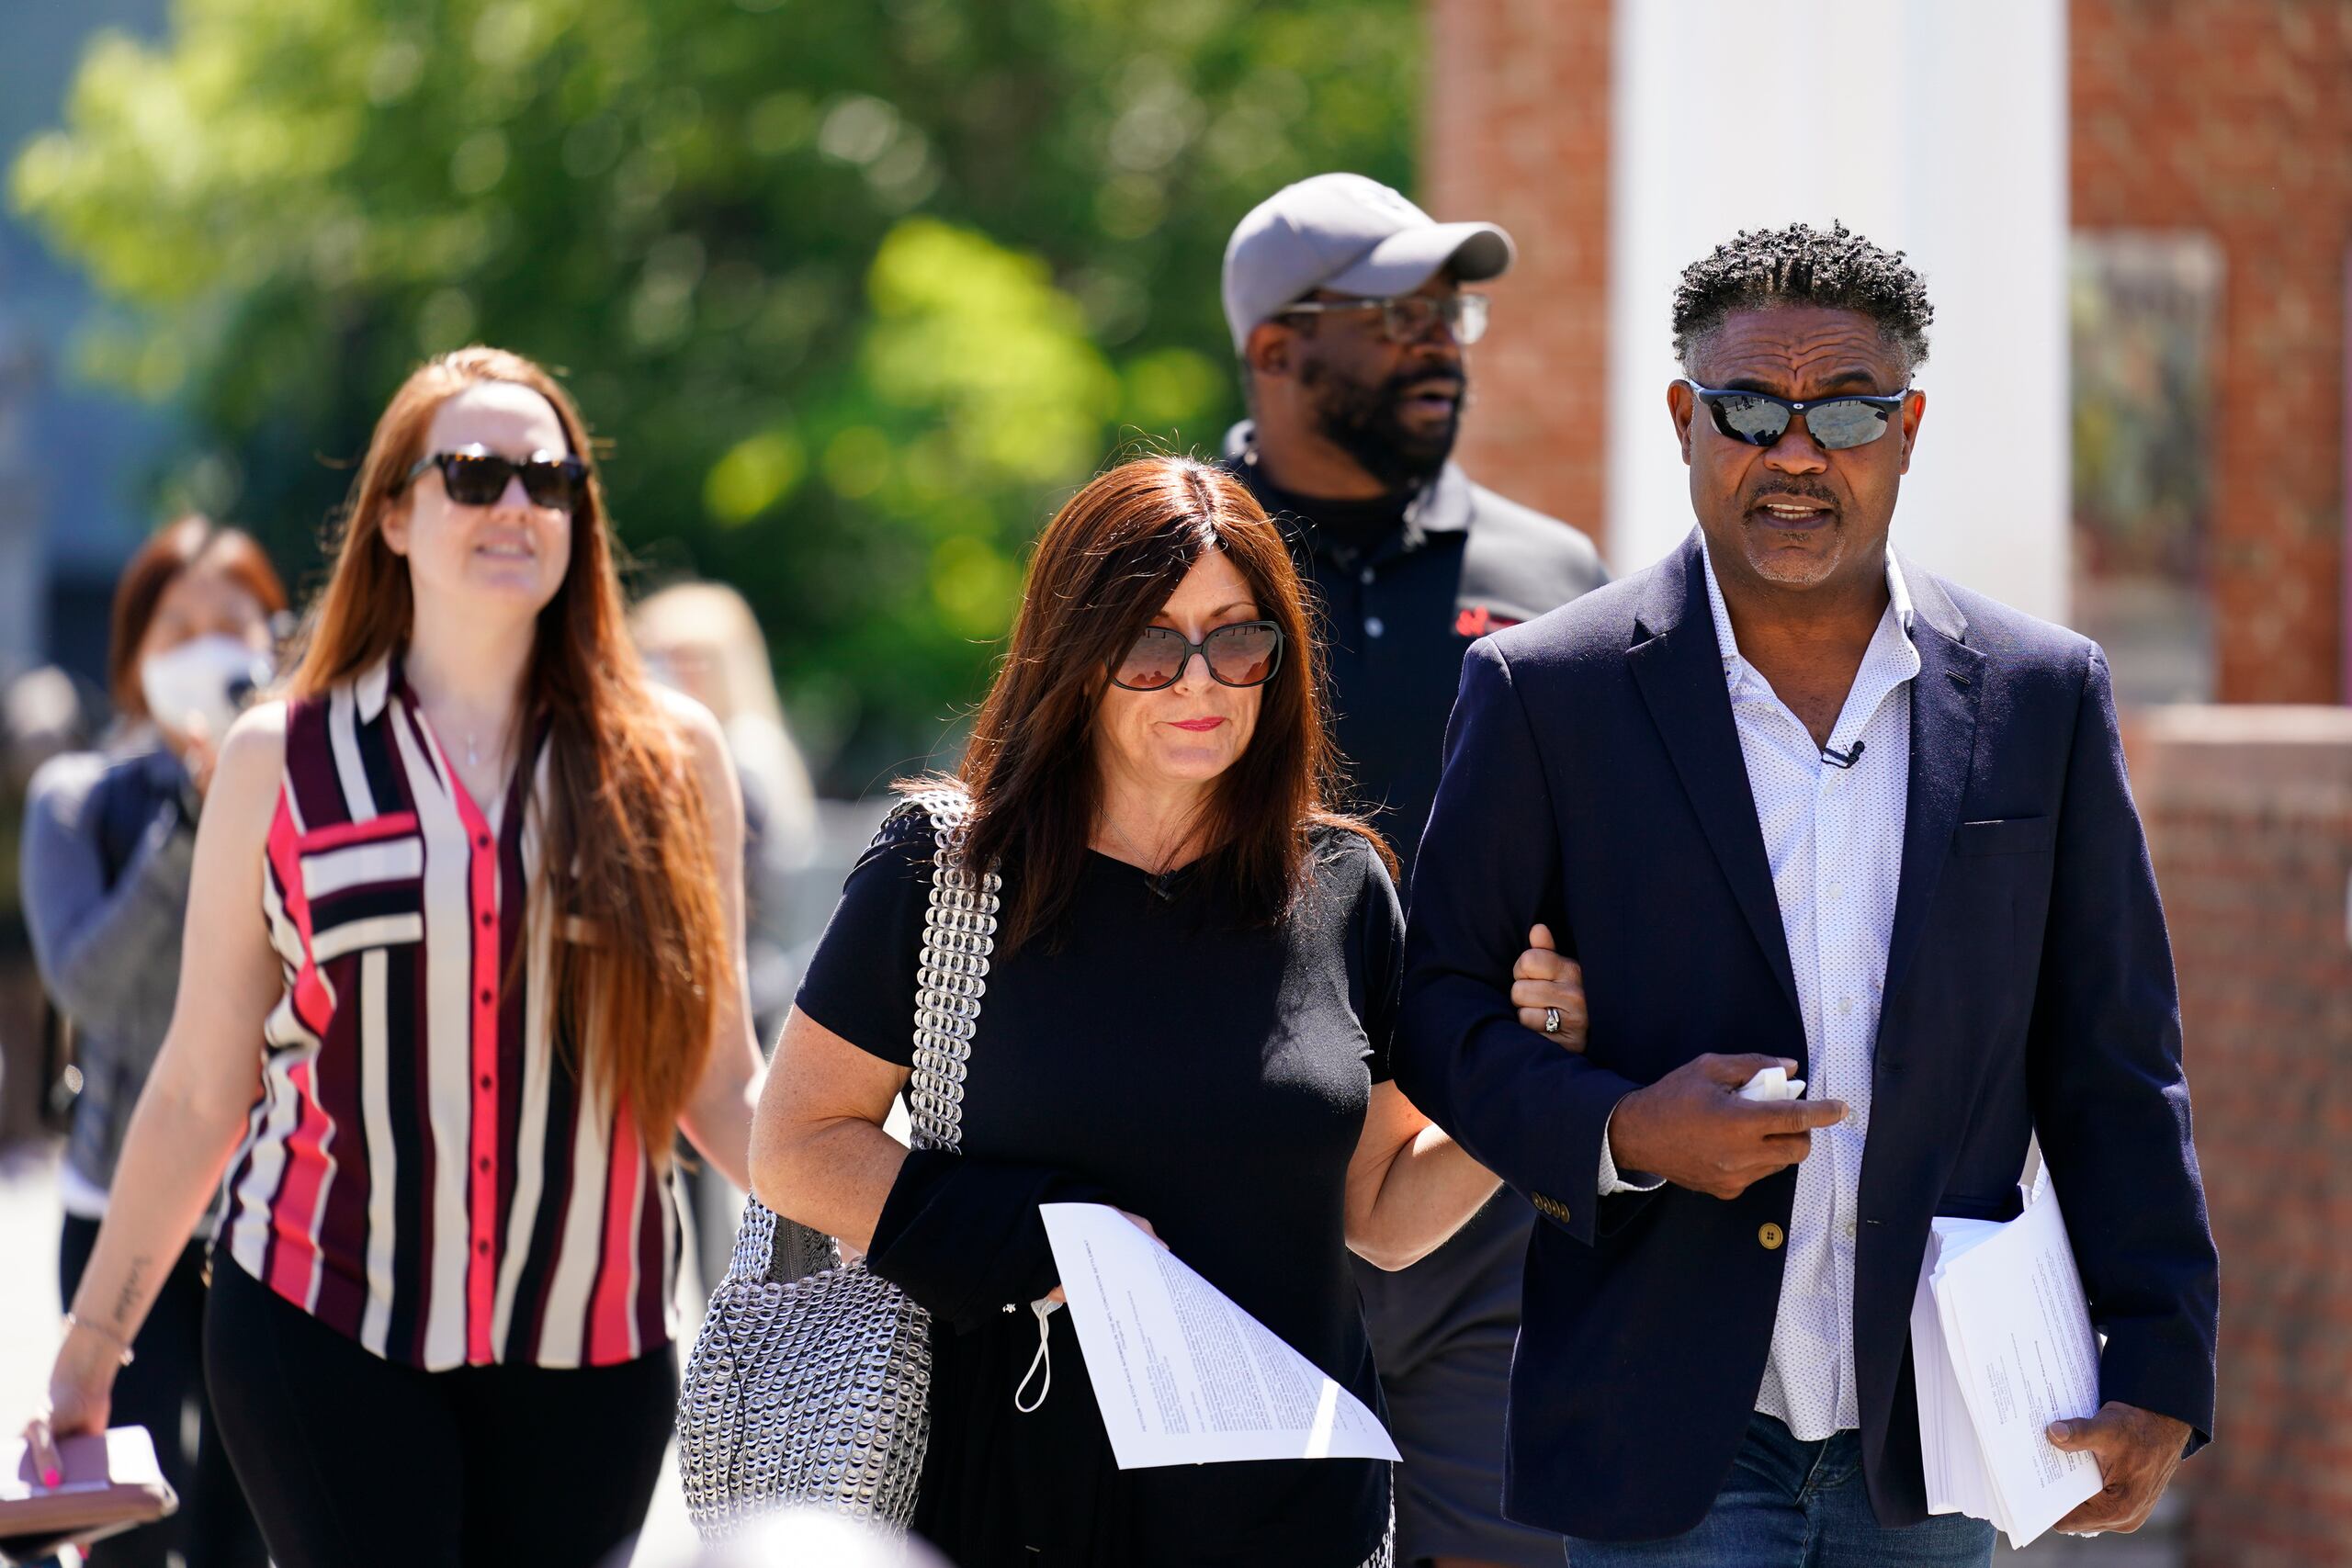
(1680,673)
(1943,744)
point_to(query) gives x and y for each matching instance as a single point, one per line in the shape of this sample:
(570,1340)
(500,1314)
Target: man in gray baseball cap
(1347,308)
(1349,235)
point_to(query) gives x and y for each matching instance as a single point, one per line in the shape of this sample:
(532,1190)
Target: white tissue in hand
(1772,1083)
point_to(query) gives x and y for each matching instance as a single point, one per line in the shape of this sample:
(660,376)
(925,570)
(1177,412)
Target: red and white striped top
(427,1170)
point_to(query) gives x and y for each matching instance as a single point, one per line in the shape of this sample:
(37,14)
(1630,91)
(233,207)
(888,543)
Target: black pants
(162,1390)
(352,1460)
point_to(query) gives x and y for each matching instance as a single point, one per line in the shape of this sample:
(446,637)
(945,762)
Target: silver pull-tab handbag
(816,1391)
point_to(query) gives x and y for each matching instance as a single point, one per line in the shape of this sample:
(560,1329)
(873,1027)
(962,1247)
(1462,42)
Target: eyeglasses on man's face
(1410,318)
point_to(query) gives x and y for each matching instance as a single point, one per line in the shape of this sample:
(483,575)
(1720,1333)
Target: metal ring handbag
(816,1391)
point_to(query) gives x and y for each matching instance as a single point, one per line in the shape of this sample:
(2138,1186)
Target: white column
(1939,130)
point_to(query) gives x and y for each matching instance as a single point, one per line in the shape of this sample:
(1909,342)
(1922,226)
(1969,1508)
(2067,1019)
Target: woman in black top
(1187,1015)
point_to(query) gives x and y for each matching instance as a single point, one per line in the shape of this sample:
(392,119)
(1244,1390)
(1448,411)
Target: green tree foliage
(854,292)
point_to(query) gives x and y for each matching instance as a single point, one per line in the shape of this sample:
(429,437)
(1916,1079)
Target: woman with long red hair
(463,954)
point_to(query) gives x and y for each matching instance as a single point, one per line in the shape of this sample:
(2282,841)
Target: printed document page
(1183,1375)
(2018,1333)
(1957,1482)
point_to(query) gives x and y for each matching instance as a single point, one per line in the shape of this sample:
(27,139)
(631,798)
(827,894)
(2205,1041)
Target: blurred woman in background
(109,837)
(701,639)
(463,954)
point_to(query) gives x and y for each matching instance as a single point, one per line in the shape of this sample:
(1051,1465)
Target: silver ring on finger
(1550,1021)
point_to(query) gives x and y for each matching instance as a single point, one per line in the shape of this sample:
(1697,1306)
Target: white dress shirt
(1834,838)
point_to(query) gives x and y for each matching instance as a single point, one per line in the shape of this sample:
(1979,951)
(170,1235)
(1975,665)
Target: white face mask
(662,670)
(200,686)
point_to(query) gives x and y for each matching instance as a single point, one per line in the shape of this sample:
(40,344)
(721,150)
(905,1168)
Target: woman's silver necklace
(473,749)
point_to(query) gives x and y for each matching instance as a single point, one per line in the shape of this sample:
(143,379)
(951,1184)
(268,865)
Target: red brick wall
(2235,117)
(1517,132)
(2249,814)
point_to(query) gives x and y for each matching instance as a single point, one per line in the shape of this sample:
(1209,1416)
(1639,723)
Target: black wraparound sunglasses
(1759,418)
(476,476)
(1246,653)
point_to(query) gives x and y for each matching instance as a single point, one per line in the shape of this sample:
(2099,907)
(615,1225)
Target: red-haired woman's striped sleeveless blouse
(426,1170)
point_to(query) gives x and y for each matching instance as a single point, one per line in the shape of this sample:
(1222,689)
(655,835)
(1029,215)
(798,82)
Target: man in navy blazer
(1789,800)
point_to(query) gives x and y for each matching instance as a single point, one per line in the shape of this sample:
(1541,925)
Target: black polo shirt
(1399,606)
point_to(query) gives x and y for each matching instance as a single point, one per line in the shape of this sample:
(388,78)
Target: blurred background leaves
(854,294)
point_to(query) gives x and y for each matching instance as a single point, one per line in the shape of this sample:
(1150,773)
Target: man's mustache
(1793,490)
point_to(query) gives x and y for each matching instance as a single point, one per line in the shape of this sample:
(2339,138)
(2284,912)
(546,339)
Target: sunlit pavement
(28,1309)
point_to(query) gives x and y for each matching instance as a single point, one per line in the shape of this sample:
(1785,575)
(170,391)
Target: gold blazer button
(1770,1235)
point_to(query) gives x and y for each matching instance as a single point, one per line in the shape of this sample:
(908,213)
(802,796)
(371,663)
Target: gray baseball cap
(1351,236)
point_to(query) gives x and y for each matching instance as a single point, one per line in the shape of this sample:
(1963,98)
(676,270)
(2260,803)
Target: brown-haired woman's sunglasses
(1246,653)
(478,477)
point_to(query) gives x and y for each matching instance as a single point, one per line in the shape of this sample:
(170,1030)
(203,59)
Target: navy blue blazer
(1593,781)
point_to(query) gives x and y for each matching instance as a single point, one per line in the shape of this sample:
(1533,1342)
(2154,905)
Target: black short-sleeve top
(1212,1075)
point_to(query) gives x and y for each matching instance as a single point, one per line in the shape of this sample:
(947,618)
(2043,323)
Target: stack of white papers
(1182,1374)
(2002,1346)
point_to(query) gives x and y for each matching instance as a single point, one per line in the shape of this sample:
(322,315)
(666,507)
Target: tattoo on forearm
(126,1300)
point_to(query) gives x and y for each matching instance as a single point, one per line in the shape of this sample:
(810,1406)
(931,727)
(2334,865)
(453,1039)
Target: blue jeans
(1793,1504)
